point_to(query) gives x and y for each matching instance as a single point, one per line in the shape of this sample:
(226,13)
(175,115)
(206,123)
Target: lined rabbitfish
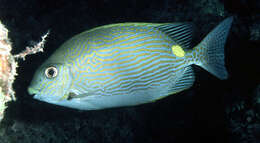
(127,64)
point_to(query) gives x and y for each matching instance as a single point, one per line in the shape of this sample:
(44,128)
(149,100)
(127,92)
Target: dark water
(212,110)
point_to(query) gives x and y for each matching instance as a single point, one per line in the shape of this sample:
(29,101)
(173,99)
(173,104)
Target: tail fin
(210,52)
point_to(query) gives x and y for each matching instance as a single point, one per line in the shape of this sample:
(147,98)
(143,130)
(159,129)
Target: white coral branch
(34,49)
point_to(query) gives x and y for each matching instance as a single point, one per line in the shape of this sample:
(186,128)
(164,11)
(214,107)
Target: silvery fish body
(127,64)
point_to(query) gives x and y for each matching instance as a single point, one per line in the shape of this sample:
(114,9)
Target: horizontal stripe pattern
(121,60)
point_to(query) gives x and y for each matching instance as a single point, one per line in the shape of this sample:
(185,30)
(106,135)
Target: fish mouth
(36,95)
(32,91)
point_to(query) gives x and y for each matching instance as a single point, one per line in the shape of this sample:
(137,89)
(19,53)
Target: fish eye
(51,72)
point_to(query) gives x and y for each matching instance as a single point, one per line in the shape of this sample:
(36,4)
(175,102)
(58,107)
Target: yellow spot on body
(178,51)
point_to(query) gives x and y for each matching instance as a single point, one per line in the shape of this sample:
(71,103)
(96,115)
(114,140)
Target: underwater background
(212,110)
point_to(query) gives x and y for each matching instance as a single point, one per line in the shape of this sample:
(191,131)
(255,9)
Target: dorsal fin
(181,33)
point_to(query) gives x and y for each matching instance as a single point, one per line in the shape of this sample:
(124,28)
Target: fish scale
(127,64)
(117,73)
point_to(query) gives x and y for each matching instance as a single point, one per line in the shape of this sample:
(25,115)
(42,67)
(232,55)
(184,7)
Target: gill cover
(51,82)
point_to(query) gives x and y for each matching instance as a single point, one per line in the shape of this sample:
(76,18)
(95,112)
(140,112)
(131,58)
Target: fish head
(51,83)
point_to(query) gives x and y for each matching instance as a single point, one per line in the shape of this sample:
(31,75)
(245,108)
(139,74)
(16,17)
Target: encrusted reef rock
(7,70)
(8,66)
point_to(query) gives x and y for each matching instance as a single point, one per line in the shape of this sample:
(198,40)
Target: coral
(8,66)
(7,70)
(38,47)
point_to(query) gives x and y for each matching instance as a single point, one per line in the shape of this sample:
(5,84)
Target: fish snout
(32,91)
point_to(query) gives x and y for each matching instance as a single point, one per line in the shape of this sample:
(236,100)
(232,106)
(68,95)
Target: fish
(128,64)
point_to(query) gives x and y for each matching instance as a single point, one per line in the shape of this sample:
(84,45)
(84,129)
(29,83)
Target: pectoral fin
(73,95)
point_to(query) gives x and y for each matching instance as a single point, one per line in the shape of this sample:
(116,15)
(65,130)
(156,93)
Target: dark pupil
(51,72)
